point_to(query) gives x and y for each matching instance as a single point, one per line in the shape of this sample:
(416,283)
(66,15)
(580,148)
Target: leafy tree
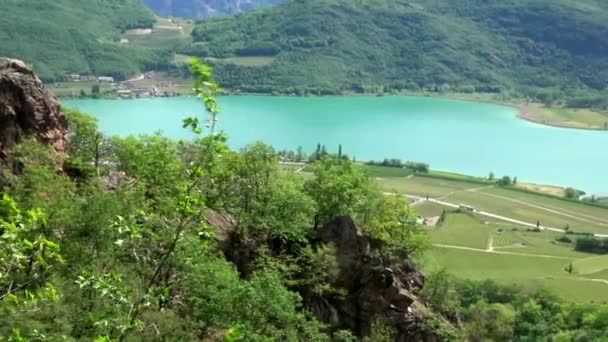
(95,91)
(493,322)
(88,146)
(505,181)
(394,222)
(338,189)
(440,291)
(28,260)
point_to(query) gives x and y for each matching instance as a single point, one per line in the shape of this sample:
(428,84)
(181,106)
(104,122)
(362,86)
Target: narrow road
(136,78)
(553,211)
(487,214)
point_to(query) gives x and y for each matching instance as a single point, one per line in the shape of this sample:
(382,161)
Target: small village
(149,84)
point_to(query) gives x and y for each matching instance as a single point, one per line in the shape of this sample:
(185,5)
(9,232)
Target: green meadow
(478,247)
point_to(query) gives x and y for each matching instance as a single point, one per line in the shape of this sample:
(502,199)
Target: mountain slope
(333,45)
(71,36)
(198,9)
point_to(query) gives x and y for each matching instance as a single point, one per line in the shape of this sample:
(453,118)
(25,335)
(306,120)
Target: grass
(423,186)
(543,243)
(73,89)
(385,172)
(529,272)
(462,230)
(584,210)
(598,275)
(456,177)
(592,265)
(509,204)
(428,209)
(564,117)
(166,32)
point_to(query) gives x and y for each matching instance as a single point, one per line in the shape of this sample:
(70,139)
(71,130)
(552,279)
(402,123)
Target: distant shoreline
(522,113)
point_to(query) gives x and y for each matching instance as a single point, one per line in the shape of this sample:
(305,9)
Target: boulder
(375,285)
(27,109)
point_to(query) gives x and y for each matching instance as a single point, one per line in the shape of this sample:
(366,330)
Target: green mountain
(327,46)
(205,8)
(60,37)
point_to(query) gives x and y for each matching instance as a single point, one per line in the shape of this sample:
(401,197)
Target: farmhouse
(105,79)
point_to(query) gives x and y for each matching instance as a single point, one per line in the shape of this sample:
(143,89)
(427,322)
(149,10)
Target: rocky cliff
(27,109)
(373,285)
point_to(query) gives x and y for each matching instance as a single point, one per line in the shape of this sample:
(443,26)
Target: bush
(505,181)
(591,245)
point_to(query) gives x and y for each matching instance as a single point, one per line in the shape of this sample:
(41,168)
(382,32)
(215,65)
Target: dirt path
(501,252)
(490,244)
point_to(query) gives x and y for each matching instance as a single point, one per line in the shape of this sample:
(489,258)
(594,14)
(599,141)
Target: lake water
(464,137)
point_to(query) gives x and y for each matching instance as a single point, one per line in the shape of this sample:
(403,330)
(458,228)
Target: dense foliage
(591,244)
(197,9)
(62,37)
(544,49)
(494,312)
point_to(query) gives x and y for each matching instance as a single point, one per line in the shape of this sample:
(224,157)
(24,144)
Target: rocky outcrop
(372,285)
(27,109)
(375,285)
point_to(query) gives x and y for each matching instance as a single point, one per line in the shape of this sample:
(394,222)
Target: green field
(428,209)
(462,230)
(597,266)
(166,33)
(479,247)
(528,272)
(423,186)
(590,212)
(525,206)
(73,89)
(531,208)
(388,172)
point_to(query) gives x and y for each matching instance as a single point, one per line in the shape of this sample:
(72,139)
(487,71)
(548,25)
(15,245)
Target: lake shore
(537,113)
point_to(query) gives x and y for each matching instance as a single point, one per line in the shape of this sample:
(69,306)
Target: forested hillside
(60,37)
(326,46)
(198,9)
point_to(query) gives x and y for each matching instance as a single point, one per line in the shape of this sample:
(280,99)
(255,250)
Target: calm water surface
(464,137)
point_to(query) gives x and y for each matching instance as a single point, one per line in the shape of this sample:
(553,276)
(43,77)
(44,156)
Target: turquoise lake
(464,137)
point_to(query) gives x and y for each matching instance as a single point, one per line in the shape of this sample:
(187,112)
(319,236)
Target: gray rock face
(27,109)
(375,285)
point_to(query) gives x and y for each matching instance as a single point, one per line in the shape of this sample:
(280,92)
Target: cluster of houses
(130,89)
(88,78)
